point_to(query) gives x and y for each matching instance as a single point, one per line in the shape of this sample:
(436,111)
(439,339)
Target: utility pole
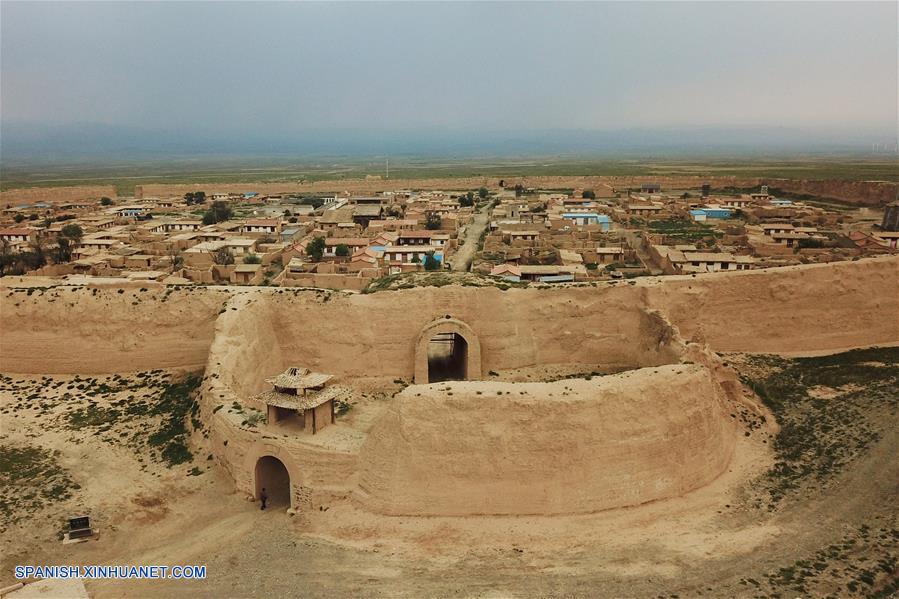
(388,168)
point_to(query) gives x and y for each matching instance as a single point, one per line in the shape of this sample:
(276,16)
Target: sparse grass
(862,563)
(30,477)
(438,279)
(820,436)
(155,415)
(684,229)
(177,402)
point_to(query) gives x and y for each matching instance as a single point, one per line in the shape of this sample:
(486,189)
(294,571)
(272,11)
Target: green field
(124,175)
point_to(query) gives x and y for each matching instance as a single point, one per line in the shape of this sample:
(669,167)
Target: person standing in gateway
(263,497)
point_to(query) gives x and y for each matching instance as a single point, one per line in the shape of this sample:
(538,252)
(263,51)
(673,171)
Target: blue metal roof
(717,212)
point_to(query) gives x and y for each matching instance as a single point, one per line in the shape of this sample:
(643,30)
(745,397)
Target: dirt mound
(567,447)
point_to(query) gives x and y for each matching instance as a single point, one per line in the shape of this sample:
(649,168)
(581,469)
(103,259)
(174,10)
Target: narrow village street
(465,253)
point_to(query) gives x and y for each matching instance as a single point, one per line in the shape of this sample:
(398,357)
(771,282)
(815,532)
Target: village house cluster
(585,234)
(345,241)
(339,241)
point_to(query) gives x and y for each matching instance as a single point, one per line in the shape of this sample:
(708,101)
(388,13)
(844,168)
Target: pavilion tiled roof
(297,402)
(299,378)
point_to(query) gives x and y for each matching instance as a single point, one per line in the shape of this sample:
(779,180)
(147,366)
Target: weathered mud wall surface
(801,309)
(375,335)
(93,331)
(74,193)
(245,348)
(795,309)
(861,193)
(792,309)
(567,447)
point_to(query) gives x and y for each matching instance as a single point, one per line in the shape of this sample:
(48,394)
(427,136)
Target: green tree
(66,240)
(466,199)
(315,249)
(433,221)
(588,194)
(19,218)
(73,232)
(218,212)
(7,258)
(63,251)
(431,263)
(104,201)
(175,258)
(314,202)
(195,197)
(36,256)
(482,192)
(416,259)
(342,250)
(223,256)
(252,259)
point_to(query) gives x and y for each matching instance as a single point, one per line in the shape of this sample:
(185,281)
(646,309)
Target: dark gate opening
(447,358)
(272,475)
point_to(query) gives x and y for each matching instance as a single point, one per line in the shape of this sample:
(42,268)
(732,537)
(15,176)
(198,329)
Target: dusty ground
(821,521)
(465,254)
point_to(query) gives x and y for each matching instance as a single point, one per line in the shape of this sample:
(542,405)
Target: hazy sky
(515,66)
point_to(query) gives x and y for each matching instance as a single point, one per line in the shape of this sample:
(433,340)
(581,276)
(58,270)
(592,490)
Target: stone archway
(271,474)
(273,468)
(460,361)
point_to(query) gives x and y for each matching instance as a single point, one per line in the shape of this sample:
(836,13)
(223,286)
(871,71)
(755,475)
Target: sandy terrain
(804,505)
(707,542)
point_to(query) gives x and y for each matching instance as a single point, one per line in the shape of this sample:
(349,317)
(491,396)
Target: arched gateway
(447,350)
(272,475)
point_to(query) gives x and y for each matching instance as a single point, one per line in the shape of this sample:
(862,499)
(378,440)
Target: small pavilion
(299,399)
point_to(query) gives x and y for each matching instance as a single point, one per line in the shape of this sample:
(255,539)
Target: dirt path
(253,554)
(711,542)
(637,243)
(465,254)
